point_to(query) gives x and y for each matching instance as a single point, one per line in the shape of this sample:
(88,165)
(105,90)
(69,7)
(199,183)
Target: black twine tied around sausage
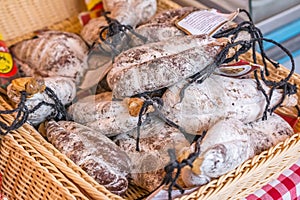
(174,167)
(116,37)
(220,59)
(243,46)
(23,111)
(156,103)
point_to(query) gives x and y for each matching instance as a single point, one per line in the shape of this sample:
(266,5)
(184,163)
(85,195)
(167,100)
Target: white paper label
(204,22)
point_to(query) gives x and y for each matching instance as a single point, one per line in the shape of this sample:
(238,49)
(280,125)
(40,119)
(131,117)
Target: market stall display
(139,109)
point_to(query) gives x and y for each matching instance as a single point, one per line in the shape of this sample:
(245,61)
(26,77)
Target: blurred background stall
(278,20)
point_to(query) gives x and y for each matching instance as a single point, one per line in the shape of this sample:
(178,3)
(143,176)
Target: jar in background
(8,68)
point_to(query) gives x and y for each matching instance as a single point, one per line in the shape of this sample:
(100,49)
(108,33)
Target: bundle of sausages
(102,134)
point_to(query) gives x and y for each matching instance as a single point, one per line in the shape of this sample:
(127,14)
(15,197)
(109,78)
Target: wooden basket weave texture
(34,169)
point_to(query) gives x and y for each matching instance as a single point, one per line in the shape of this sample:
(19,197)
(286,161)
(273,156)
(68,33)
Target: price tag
(204,21)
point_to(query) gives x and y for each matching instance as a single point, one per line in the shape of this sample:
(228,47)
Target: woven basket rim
(244,168)
(27,150)
(31,135)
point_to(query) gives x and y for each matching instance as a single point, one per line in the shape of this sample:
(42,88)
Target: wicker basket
(31,166)
(19,18)
(29,175)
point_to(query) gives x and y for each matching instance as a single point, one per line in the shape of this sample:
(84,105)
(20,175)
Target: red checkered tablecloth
(285,187)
